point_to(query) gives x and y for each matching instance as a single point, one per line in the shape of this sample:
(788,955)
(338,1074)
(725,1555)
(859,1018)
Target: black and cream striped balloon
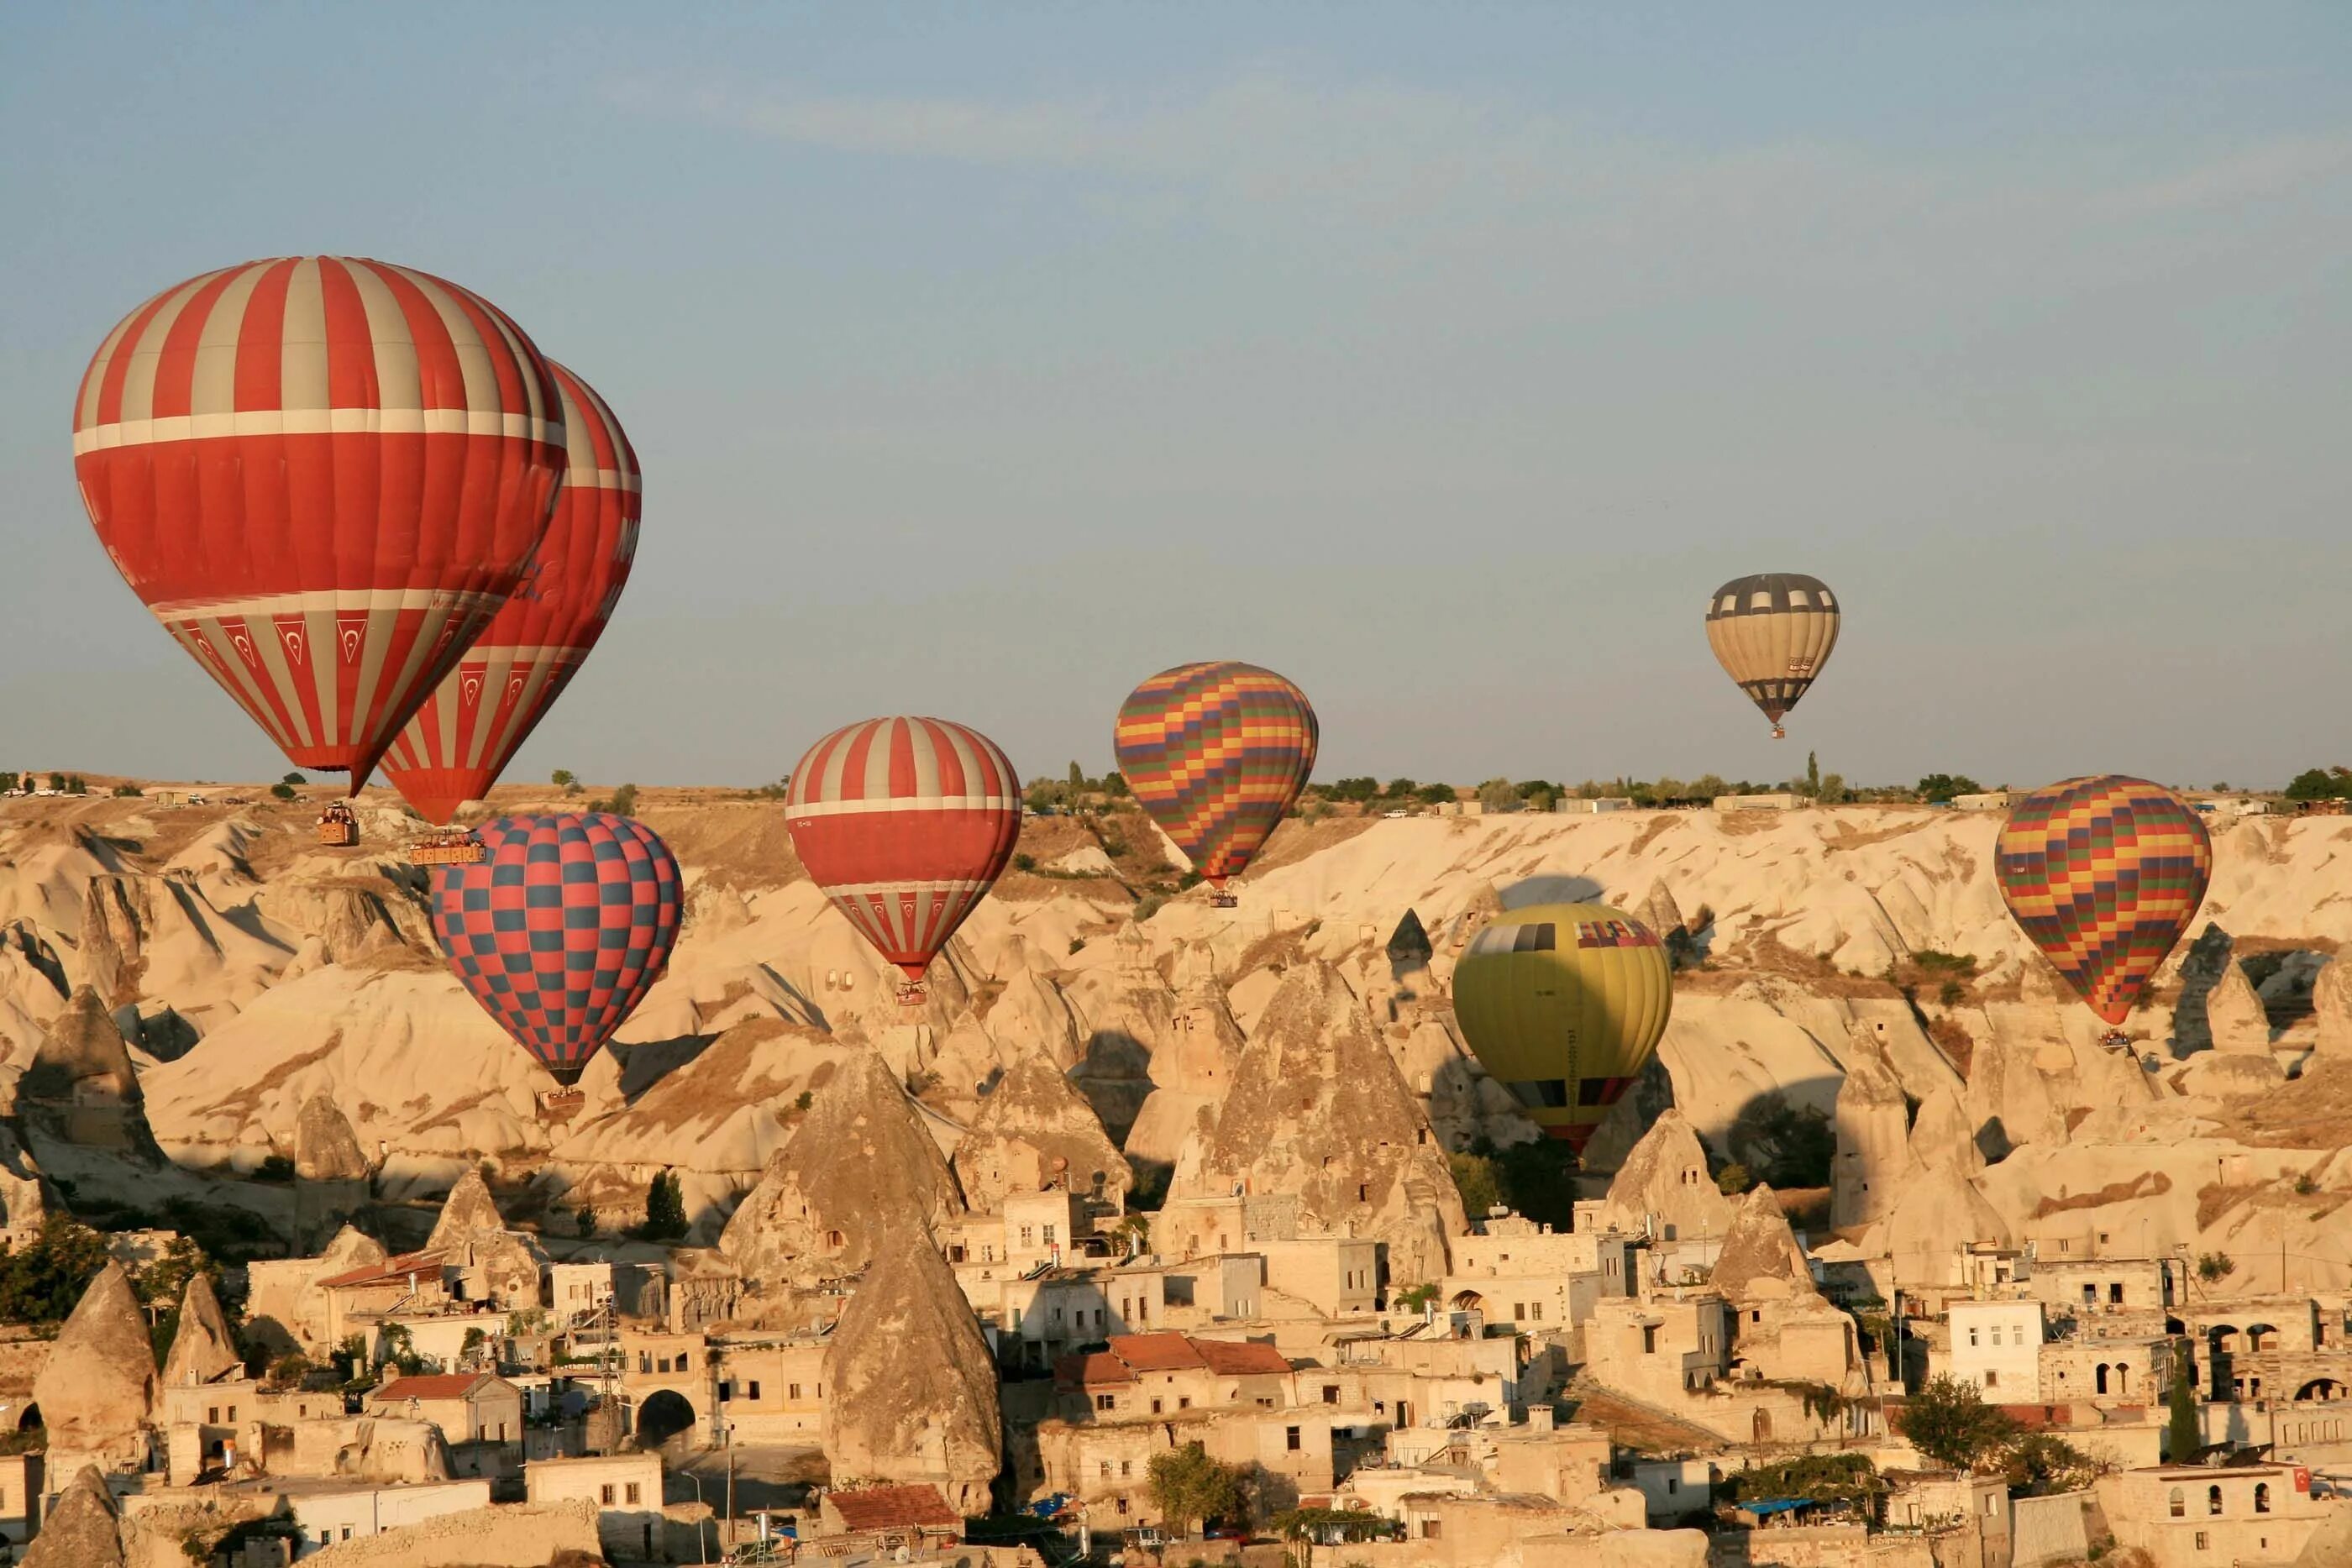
(1772,633)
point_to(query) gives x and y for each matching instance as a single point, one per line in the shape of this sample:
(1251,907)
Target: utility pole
(731,1487)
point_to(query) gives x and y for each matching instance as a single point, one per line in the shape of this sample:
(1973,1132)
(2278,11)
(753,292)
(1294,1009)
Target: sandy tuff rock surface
(325,1147)
(202,1348)
(914,1388)
(98,1386)
(1318,1109)
(860,1160)
(1663,1184)
(1761,1260)
(83,1530)
(1032,1127)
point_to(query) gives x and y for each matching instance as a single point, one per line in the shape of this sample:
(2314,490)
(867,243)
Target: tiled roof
(387,1272)
(1092,1369)
(893,1508)
(1241,1358)
(431,1386)
(1164,1352)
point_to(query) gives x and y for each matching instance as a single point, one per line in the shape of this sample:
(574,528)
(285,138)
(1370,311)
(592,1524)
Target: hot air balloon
(1216,752)
(904,823)
(562,930)
(323,476)
(2104,874)
(476,720)
(1563,1004)
(1772,633)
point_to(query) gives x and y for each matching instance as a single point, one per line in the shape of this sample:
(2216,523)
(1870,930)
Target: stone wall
(517,1535)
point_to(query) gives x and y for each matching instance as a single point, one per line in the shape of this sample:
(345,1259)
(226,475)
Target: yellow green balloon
(1564,1004)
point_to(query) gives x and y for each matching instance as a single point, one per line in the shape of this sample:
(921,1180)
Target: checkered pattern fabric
(2104,874)
(1216,752)
(561,929)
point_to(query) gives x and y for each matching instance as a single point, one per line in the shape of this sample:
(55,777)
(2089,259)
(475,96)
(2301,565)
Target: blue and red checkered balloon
(561,929)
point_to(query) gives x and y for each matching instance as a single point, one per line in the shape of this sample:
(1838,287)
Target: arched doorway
(2319,1390)
(1762,1427)
(662,1417)
(1468,1301)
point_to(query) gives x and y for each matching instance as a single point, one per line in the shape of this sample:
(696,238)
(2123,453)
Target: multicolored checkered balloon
(561,929)
(2104,874)
(1216,752)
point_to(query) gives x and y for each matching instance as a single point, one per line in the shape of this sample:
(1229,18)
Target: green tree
(2041,1463)
(1077,779)
(664,1209)
(1401,788)
(40,1282)
(295,780)
(1496,796)
(1950,1423)
(2183,1434)
(1115,785)
(282,791)
(1357,789)
(1939,787)
(1788,1145)
(624,802)
(2215,1267)
(1190,1487)
(1733,1180)
(565,779)
(1824,1478)
(1474,1174)
(1813,775)
(2320,784)
(1434,794)
(1833,791)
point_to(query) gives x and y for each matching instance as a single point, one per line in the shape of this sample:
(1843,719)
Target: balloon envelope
(561,929)
(323,476)
(1216,752)
(1564,1004)
(2104,874)
(904,823)
(1772,633)
(482,711)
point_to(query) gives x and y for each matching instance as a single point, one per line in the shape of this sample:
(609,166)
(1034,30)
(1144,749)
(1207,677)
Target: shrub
(1734,1179)
(2215,1267)
(1024,861)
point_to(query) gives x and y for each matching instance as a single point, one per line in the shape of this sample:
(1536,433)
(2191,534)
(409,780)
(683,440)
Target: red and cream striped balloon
(906,823)
(477,718)
(323,476)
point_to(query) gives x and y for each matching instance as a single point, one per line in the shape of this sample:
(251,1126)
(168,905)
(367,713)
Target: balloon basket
(447,849)
(338,828)
(1224,901)
(2116,1039)
(561,1104)
(1780,734)
(913,993)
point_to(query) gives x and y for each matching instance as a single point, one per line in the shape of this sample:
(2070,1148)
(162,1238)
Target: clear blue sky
(984,360)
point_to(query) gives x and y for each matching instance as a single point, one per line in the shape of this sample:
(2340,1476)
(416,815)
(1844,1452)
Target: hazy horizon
(984,362)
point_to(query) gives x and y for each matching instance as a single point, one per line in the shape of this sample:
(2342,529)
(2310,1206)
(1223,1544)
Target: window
(212,1414)
(2116,1294)
(1973,1337)
(1183,1402)
(1431,1529)
(686,1361)
(2090,1295)
(1649,1339)
(1106,1402)
(1027,1231)
(791,1390)
(636,1495)
(726,1392)
(1290,1439)
(1992,1379)
(607,1498)
(232,1413)
(2200,1540)
(1155,1407)
(2180,1504)
(2213,1499)
(1122,1505)
(1330,1394)
(1538,1313)
(1049,1236)
(1106,1469)
(1126,1468)
(1673,1486)
(2261,1497)
(753,1389)
(1996,1334)
(1518,1310)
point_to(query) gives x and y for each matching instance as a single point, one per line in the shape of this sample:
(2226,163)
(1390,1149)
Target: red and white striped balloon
(904,823)
(477,718)
(323,476)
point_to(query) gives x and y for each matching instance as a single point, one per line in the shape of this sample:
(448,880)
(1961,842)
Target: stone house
(1941,1502)
(328,1513)
(2087,1285)
(2190,1516)
(627,1490)
(770,1390)
(2118,1371)
(1997,1346)
(1338,1276)
(890,1519)
(1202,1226)
(1222,1286)
(1660,1349)
(668,1381)
(23,1481)
(356,1298)
(468,1407)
